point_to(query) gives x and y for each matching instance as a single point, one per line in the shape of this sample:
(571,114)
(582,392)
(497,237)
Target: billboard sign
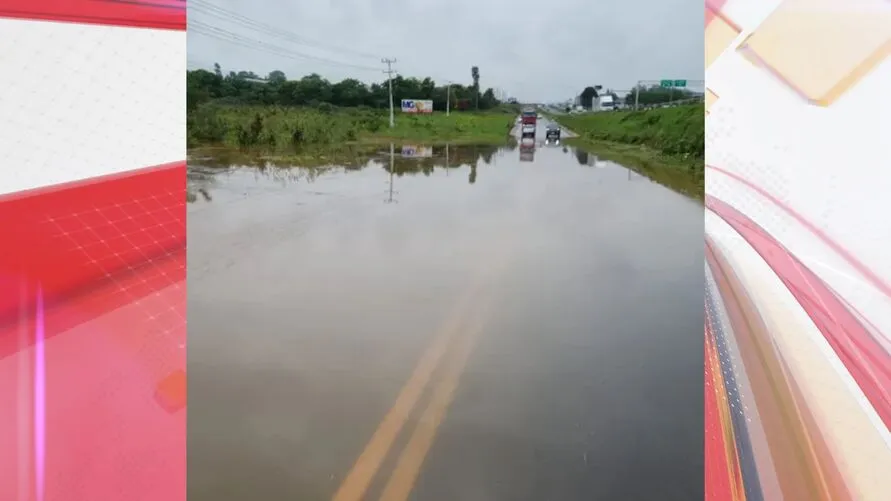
(417,152)
(417,106)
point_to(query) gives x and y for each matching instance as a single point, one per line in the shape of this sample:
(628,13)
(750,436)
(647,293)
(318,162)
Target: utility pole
(389,72)
(448,97)
(636,95)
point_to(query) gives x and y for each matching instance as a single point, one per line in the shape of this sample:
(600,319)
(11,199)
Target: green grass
(458,127)
(281,129)
(666,144)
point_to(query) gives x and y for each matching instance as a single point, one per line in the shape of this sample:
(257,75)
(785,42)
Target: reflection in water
(527,151)
(396,160)
(571,251)
(390,199)
(199,182)
(410,151)
(475,155)
(487,156)
(443,157)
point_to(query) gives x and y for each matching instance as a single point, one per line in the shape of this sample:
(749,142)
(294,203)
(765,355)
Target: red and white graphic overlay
(796,201)
(92,265)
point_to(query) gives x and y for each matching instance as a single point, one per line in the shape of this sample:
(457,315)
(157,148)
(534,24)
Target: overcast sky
(537,51)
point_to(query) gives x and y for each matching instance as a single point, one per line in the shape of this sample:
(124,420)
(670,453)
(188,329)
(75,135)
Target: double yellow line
(449,352)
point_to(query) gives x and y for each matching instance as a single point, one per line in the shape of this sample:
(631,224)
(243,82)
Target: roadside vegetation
(646,96)
(272,113)
(279,128)
(666,144)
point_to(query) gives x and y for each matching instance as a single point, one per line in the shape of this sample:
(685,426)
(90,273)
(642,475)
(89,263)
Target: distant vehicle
(607,103)
(527,131)
(529,117)
(552,134)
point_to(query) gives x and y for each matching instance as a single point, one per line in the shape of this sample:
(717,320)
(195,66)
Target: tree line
(646,95)
(654,94)
(248,88)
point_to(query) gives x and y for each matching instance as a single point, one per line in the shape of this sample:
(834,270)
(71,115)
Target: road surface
(503,328)
(541,127)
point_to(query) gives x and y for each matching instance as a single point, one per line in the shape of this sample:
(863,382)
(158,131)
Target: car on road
(552,134)
(527,131)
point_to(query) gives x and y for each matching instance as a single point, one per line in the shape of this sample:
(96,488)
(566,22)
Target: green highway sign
(666,83)
(672,83)
(680,83)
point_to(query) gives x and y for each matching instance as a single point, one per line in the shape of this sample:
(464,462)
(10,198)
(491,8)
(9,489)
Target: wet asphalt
(461,323)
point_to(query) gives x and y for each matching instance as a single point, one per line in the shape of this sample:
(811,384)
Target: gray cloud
(536,51)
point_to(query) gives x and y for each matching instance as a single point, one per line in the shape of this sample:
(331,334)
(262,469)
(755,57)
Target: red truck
(529,118)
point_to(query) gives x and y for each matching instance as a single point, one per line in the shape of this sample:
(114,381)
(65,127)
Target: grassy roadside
(285,129)
(666,144)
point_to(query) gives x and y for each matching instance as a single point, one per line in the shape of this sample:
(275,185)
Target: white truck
(607,103)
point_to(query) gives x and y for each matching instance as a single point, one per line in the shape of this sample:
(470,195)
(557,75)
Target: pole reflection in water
(390,198)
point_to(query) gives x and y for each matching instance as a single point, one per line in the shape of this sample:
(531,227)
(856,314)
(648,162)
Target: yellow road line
(412,458)
(357,481)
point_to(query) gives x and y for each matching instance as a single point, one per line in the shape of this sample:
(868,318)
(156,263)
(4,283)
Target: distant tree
(245,87)
(587,97)
(276,77)
(475,74)
(654,94)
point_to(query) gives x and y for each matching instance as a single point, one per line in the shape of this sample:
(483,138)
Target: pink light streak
(39,400)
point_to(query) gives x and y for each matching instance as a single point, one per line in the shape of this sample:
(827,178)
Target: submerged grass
(665,144)
(680,174)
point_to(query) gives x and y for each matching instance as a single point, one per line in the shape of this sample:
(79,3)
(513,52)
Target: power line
(236,39)
(222,34)
(223,14)
(234,17)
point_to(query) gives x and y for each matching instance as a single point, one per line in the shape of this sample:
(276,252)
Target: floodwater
(444,324)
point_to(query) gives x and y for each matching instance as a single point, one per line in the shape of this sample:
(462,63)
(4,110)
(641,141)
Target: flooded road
(444,324)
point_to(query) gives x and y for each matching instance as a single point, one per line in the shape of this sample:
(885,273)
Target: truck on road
(528,120)
(607,103)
